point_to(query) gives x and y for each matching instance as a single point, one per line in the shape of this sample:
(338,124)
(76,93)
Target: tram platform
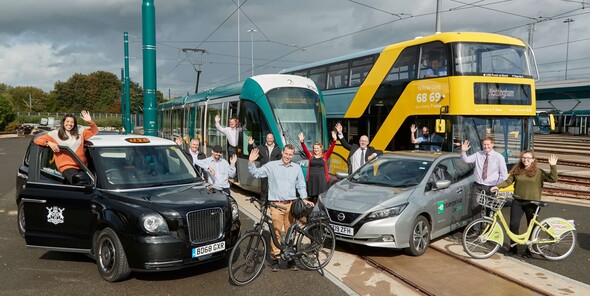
(357,277)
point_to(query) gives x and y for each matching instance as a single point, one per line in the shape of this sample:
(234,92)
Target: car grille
(348,217)
(205,225)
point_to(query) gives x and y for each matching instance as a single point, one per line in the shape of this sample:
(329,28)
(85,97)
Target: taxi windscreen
(144,166)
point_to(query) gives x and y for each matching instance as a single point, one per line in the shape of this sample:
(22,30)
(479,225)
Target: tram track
(461,269)
(572,152)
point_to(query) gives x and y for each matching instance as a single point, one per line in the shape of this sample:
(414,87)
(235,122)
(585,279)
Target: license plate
(343,229)
(208,249)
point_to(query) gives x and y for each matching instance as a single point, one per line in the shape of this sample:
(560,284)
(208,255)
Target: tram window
(252,116)
(215,137)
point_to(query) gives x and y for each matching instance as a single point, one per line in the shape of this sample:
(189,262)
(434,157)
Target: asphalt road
(25,271)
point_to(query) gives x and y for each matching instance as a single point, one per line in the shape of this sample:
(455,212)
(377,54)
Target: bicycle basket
(490,202)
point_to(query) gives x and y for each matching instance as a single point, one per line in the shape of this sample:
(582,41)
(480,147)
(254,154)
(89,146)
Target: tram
(544,123)
(281,104)
(483,85)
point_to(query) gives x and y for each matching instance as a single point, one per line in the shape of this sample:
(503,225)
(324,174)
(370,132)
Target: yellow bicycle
(553,238)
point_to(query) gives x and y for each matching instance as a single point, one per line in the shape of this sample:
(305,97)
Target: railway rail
(572,152)
(458,270)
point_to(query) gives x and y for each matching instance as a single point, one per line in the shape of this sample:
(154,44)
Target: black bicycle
(311,243)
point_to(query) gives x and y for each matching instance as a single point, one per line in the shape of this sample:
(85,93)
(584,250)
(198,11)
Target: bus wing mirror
(440,126)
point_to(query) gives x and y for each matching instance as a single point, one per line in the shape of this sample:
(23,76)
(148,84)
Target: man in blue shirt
(425,137)
(218,170)
(285,179)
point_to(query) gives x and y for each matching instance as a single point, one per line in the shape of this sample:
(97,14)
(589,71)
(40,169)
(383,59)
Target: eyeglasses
(526,158)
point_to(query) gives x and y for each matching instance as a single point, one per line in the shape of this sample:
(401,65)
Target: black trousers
(518,208)
(475,190)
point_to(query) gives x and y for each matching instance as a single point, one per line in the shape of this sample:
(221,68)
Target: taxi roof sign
(137,140)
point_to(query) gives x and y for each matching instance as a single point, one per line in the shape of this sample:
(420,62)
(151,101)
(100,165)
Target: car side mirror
(81,179)
(341,175)
(443,184)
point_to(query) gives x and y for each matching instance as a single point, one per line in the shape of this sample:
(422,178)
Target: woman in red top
(69,135)
(317,173)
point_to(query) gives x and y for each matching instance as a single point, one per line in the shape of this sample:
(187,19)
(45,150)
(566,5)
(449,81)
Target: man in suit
(359,154)
(193,153)
(268,151)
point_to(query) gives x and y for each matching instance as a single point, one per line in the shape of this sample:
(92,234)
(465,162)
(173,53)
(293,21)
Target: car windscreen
(393,172)
(144,166)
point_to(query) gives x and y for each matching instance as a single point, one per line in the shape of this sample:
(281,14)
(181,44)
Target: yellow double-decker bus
(459,85)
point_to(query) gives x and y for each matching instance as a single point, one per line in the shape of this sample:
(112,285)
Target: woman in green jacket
(528,185)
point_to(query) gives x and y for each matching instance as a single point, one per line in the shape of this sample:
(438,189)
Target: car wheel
(21,218)
(110,256)
(419,237)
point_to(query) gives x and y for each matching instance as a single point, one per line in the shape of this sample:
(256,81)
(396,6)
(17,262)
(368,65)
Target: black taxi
(138,206)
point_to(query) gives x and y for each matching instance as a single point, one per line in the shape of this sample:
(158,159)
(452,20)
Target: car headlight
(154,223)
(235,211)
(389,212)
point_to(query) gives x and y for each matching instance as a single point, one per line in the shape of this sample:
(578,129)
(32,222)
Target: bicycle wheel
(475,242)
(317,243)
(247,258)
(550,248)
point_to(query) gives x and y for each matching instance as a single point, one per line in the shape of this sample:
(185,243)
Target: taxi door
(57,215)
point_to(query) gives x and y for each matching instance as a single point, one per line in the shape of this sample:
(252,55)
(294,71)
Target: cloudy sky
(43,41)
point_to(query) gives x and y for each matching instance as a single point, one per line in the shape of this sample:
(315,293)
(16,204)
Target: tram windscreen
(296,110)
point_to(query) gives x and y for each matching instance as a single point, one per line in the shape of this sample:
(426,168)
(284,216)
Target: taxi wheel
(110,256)
(419,237)
(21,218)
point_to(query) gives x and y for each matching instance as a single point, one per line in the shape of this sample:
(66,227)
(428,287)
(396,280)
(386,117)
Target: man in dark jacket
(359,154)
(193,154)
(268,151)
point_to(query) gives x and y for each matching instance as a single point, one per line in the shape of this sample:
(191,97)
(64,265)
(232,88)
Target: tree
(7,113)
(28,98)
(97,92)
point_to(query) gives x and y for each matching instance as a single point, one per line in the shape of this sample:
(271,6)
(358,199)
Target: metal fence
(60,115)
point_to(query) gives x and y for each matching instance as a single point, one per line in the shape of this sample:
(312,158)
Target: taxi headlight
(235,210)
(154,223)
(389,212)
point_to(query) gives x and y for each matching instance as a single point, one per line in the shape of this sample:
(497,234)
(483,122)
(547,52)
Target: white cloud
(45,41)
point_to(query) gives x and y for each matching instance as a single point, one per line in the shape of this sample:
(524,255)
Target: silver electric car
(401,200)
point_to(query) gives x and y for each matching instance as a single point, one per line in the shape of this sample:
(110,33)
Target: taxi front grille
(205,225)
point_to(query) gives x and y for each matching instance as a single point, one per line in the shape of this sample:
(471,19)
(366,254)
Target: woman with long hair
(317,173)
(528,185)
(72,136)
